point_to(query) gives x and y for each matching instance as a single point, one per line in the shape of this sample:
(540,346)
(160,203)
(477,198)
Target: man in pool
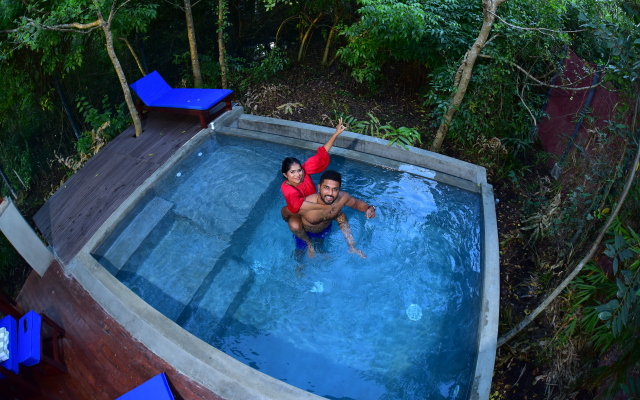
(317,223)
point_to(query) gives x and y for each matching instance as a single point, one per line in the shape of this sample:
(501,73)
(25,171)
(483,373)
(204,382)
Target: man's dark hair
(332,176)
(288,162)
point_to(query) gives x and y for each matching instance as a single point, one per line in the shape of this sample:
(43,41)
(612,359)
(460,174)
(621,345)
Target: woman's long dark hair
(288,162)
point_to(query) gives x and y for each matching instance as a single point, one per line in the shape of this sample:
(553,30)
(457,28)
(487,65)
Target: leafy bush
(401,137)
(118,119)
(606,308)
(256,72)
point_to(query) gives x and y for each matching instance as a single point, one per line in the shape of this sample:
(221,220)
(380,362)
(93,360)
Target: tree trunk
(330,40)
(123,80)
(67,107)
(221,49)
(191,32)
(307,36)
(466,68)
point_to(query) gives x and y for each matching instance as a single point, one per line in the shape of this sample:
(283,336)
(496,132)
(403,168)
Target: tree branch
(546,84)
(72,27)
(581,264)
(133,53)
(535,123)
(541,30)
(176,5)
(115,10)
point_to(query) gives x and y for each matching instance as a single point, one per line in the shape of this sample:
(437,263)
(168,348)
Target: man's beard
(333,199)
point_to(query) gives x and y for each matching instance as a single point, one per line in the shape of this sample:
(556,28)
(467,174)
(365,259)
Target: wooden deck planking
(76,211)
(56,205)
(124,144)
(101,177)
(103,359)
(85,212)
(100,194)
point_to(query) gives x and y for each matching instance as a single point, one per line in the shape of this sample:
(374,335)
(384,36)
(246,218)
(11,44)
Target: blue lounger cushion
(154,91)
(29,327)
(156,388)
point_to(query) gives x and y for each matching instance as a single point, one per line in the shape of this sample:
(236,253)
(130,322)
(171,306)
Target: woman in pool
(298,185)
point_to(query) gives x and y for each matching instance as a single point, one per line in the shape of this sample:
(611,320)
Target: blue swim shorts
(300,244)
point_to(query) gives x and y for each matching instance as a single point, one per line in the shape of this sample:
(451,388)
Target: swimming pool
(206,247)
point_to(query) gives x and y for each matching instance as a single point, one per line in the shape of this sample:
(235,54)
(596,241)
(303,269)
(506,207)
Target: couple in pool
(310,214)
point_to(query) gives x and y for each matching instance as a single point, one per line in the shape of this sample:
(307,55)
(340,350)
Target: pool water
(207,248)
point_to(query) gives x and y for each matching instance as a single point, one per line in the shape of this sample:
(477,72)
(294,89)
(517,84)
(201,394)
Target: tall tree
(463,75)
(222,24)
(193,48)
(85,16)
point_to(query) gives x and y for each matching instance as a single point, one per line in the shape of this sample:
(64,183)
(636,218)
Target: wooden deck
(103,359)
(76,211)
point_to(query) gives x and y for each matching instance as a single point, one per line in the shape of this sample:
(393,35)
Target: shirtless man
(318,221)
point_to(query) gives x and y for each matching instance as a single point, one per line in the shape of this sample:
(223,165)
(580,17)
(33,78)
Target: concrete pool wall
(226,376)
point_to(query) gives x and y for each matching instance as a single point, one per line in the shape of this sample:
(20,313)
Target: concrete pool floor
(224,375)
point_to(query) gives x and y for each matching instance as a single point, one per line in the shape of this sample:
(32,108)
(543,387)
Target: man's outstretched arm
(345,228)
(361,206)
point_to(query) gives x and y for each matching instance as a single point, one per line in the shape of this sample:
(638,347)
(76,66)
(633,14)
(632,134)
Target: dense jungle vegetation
(468,78)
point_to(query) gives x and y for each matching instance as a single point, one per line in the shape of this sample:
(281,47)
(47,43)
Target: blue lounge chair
(156,388)
(156,94)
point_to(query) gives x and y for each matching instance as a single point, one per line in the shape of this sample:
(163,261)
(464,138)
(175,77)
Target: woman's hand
(340,127)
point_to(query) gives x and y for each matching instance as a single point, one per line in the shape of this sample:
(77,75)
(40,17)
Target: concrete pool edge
(224,375)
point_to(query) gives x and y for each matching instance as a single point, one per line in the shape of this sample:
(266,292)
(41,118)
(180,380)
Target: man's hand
(371,212)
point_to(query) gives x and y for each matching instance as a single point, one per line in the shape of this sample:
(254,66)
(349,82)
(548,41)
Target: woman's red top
(295,195)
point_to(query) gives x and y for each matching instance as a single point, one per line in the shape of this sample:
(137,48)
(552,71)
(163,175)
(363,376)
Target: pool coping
(226,376)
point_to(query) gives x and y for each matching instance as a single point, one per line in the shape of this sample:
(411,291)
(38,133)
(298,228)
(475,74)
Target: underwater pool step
(218,297)
(138,229)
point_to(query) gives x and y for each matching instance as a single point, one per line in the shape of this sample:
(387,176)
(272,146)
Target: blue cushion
(9,323)
(29,327)
(193,99)
(155,92)
(150,87)
(156,388)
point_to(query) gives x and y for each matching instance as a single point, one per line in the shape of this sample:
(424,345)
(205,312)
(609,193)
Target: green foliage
(117,117)
(609,302)
(256,72)
(401,137)
(422,30)
(620,37)
(40,27)
(210,70)
(8,256)
(373,127)
(623,311)
(631,388)
(274,62)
